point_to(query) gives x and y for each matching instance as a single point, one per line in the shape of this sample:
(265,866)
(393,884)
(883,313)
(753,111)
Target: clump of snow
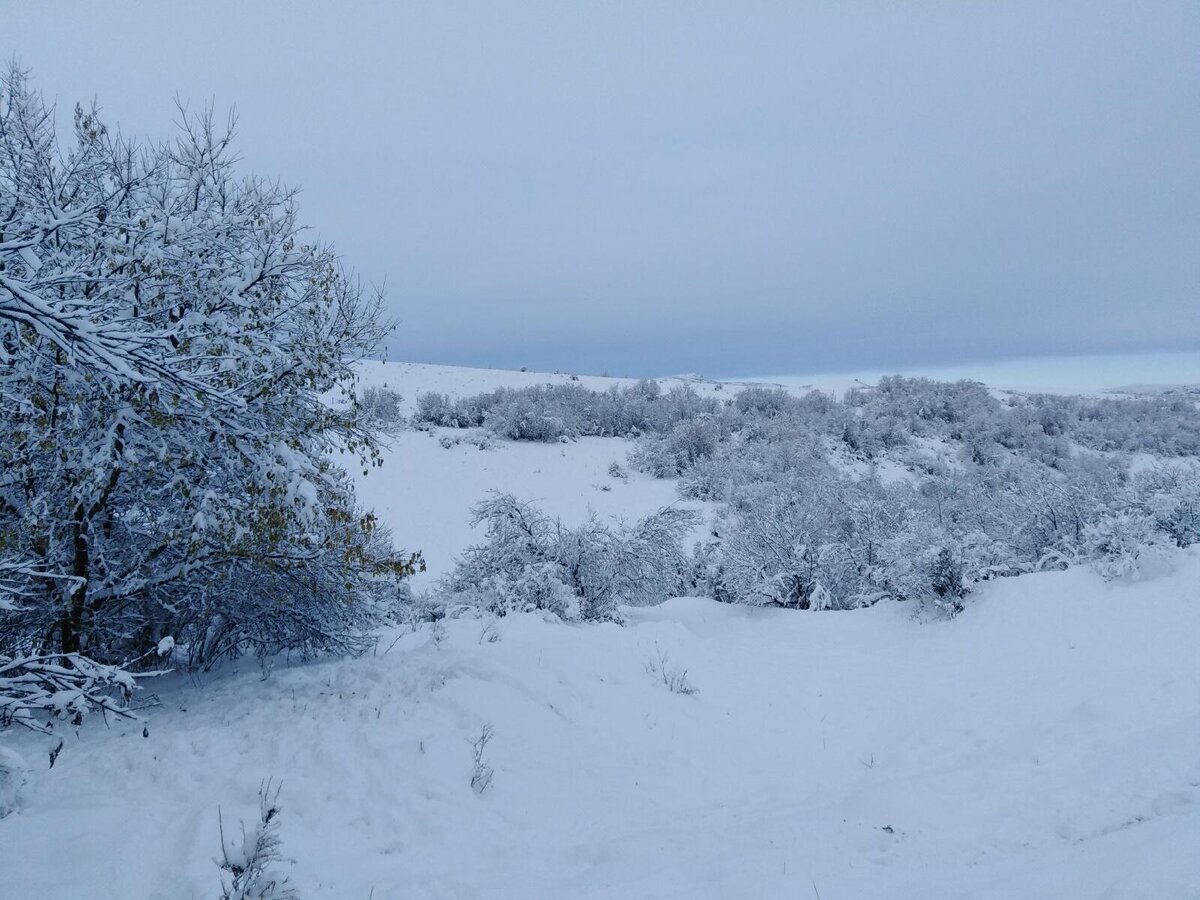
(12,777)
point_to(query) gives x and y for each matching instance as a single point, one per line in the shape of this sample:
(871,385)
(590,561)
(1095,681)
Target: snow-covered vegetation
(168,342)
(529,562)
(911,490)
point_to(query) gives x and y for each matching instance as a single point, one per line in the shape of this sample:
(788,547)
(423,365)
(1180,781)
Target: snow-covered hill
(1041,744)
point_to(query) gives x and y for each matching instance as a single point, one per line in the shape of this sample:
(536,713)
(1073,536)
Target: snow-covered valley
(1043,743)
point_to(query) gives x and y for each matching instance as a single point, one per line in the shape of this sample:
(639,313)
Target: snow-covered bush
(925,565)
(553,412)
(480,440)
(687,443)
(534,586)
(764,401)
(1172,495)
(530,561)
(519,416)
(436,409)
(988,486)
(1117,545)
(380,407)
(774,552)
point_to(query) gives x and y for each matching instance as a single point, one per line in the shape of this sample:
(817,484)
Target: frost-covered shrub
(380,406)
(552,412)
(868,421)
(687,443)
(436,409)
(925,564)
(1172,495)
(646,389)
(764,401)
(1168,424)
(710,479)
(478,439)
(519,416)
(807,539)
(535,586)
(774,553)
(530,561)
(1117,545)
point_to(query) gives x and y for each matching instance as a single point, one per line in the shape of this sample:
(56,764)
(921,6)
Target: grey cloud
(727,189)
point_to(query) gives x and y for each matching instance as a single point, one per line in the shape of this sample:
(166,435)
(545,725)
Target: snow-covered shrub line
(990,487)
(868,421)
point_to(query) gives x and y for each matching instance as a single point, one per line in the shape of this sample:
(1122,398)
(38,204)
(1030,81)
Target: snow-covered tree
(169,346)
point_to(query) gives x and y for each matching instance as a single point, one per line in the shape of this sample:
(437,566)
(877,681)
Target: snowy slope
(1042,744)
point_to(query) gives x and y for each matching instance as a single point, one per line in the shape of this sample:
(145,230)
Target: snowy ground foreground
(1043,744)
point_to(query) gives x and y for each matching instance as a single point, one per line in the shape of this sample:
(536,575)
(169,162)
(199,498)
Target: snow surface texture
(1042,744)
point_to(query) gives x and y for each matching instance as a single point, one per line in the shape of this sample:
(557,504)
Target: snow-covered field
(1042,744)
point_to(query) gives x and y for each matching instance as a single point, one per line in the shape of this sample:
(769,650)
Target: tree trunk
(72,624)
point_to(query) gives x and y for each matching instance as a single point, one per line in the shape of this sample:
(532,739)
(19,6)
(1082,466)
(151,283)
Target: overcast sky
(730,188)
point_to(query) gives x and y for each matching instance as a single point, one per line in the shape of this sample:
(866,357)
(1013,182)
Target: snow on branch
(37,691)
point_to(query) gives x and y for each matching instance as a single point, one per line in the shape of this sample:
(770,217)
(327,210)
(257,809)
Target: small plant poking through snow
(481,774)
(673,675)
(489,630)
(252,865)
